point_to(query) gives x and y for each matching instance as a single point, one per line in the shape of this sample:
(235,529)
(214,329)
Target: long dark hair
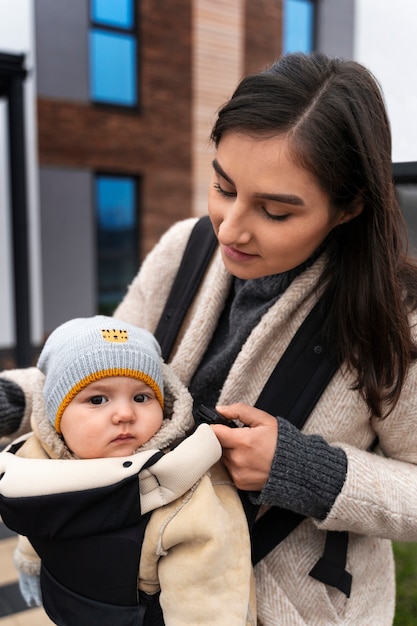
(333,114)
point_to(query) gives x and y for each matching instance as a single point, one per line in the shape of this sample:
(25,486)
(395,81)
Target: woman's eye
(277,218)
(141,397)
(223,192)
(97,400)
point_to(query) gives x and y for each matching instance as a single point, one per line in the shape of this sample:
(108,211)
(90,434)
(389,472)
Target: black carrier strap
(196,257)
(292,391)
(302,374)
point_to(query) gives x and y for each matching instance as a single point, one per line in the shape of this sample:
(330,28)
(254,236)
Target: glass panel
(298,26)
(117,239)
(113,68)
(117,13)
(116,202)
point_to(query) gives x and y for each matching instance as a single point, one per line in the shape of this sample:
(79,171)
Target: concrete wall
(68,231)
(386,42)
(335,25)
(6,276)
(62,49)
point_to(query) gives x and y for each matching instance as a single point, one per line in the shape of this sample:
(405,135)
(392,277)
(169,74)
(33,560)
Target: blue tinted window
(298,26)
(117,238)
(117,13)
(113,67)
(116,202)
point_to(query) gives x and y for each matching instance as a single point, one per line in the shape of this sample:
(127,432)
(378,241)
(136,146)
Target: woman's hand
(248,452)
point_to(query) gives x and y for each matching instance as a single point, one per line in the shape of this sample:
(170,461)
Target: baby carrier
(98,535)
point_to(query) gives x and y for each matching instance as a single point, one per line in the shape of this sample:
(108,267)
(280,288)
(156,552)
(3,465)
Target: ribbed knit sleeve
(12,406)
(307,474)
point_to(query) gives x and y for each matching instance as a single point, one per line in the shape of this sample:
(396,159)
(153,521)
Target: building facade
(120,98)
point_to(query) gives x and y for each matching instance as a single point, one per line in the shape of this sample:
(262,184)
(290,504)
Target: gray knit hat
(86,349)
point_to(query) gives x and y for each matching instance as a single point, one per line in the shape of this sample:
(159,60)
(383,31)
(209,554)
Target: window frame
(405,173)
(133,31)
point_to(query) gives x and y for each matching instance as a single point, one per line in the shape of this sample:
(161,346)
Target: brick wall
(154,142)
(263,33)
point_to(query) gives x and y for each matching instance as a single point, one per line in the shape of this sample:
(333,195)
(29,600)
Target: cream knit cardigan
(378,502)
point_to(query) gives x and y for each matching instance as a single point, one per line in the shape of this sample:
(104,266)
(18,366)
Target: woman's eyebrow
(281,197)
(278,197)
(217,168)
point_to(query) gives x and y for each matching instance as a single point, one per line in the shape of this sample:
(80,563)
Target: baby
(112,406)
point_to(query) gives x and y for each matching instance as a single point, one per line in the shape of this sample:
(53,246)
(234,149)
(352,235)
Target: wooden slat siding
(230,38)
(217,65)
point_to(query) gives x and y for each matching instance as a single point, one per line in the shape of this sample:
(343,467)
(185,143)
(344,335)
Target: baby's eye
(98,400)
(141,397)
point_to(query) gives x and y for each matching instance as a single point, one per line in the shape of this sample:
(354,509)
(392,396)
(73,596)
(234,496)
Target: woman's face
(268,212)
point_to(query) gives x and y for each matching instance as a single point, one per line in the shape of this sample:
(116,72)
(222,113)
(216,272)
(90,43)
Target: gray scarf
(248,301)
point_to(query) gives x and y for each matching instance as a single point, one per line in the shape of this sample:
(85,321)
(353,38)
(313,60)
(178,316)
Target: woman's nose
(234,228)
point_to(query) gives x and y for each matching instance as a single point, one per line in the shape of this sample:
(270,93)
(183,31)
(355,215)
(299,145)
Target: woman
(303,205)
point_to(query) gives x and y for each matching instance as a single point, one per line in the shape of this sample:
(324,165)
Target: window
(113,52)
(405,177)
(117,238)
(298,26)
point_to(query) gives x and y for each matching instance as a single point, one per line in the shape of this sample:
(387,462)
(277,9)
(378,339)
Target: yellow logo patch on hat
(113,335)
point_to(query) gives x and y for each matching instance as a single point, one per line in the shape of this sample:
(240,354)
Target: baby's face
(111,417)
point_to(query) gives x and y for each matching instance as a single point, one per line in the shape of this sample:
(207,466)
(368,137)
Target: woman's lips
(237,255)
